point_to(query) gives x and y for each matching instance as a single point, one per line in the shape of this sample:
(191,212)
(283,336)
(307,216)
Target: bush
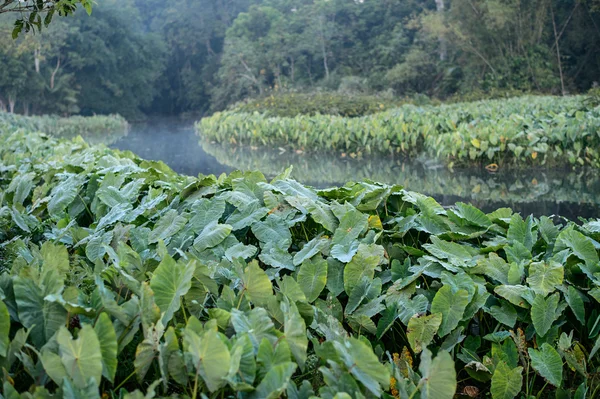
(119,274)
(542,131)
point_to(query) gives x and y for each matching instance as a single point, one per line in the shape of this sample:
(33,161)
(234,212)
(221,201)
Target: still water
(539,192)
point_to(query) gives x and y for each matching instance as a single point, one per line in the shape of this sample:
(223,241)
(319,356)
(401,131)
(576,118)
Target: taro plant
(542,131)
(121,278)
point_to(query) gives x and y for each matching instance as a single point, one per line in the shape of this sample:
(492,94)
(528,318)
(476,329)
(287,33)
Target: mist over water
(538,192)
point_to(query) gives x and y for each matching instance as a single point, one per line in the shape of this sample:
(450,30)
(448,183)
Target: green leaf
(421,330)
(312,277)
(310,249)
(63,194)
(257,285)
(580,245)
(167,226)
(505,313)
(211,236)
(4,329)
(81,357)
(545,277)
(344,242)
(21,185)
(543,313)
(456,254)
(295,332)
(506,383)
(209,355)
(575,300)
(108,346)
(275,381)
(438,376)
(363,364)
(472,215)
(452,307)
(363,264)
(548,363)
(170,281)
(521,231)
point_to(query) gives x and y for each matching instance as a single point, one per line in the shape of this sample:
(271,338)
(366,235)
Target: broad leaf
(548,363)
(312,277)
(545,277)
(108,346)
(421,330)
(506,383)
(438,376)
(170,281)
(451,306)
(81,357)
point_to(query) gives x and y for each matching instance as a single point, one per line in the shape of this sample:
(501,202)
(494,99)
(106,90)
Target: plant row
(120,278)
(543,131)
(96,129)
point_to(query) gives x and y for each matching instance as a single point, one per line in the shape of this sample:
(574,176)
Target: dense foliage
(521,131)
(324,103)
(177,56)
(96,129)
(117,274)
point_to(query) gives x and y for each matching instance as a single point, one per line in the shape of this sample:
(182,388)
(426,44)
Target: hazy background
(178,57)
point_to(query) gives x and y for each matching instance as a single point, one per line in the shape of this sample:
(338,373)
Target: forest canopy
(139,57)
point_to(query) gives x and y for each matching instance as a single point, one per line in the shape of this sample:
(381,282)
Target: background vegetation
(171,57)
(542,131)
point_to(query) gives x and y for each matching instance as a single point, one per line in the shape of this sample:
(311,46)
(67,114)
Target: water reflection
(570,194)
(538,192)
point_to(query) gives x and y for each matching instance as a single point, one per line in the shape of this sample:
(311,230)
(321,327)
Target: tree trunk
(323,48)
(54,73)
(11,104)
(292,68)
(562,81)
(36,59)
(439,4)
(26,109)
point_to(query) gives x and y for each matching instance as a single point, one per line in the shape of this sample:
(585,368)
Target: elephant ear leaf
(363,364)
(171,280)
(4,329)
(421,330)
(438,376)
(257,284)
(210,356)
(544,277)
(506,383)
(312,278)
(452,307)
(548,363)
(275,382)
(108,346)
(81,357)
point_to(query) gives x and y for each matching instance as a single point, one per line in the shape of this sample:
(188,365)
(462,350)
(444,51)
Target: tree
(34,14)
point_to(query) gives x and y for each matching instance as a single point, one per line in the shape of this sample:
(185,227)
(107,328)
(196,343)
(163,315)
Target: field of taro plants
(122,279)
(518,132)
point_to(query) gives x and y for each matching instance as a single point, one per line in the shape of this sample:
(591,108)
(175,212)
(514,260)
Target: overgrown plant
(119,276)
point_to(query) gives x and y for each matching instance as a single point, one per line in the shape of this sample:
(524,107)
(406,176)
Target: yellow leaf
(534,155)
(476,143)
